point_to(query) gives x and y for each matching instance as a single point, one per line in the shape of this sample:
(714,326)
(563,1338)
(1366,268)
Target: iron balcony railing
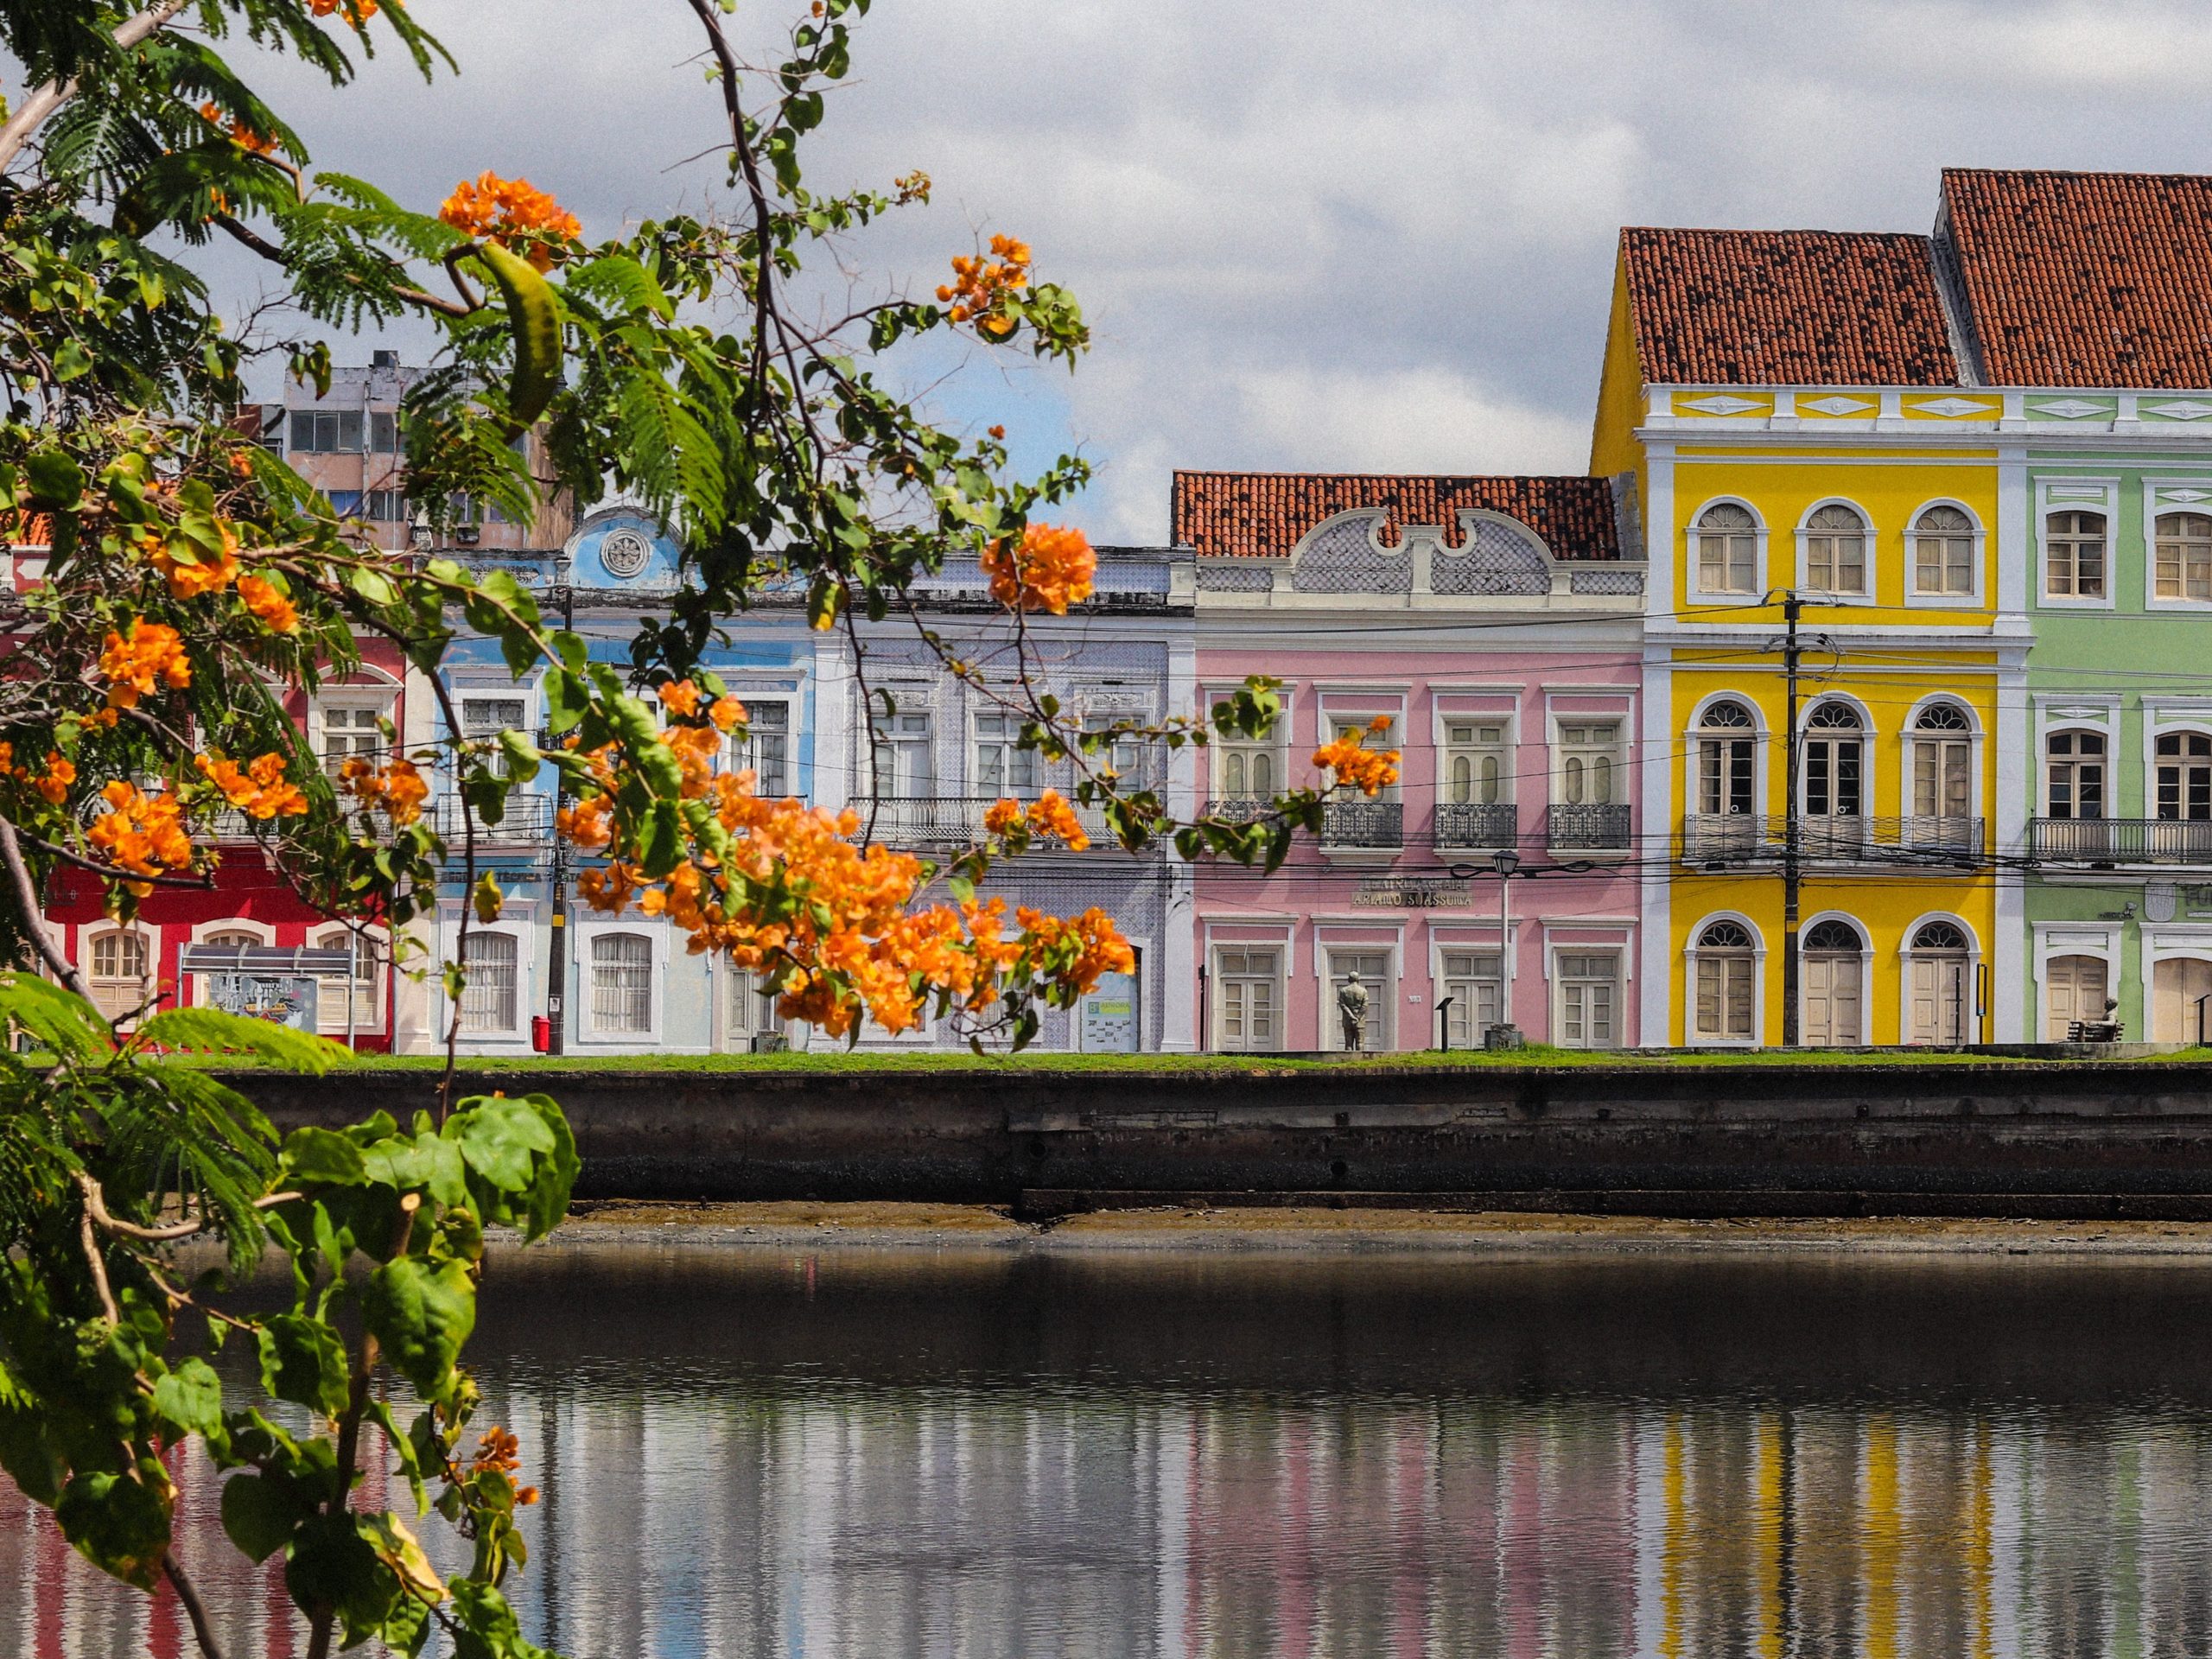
(947,820)
(1238,809)
(1587,827)
(2122,841)
(1744,837)
(1461,825)
(1363,823)
(528,818)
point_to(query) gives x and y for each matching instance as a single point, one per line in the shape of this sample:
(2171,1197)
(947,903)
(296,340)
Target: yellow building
(1789,406)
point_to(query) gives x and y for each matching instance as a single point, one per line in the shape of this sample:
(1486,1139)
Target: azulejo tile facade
(1967,472)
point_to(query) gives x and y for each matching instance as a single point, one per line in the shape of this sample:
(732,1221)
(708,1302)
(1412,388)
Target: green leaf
(332,1565)
(422,1316)
(55,480)
(661,845)
(323,1157)
(261,1512)
(213,1029)
(566,698)
(499,1136)
(26,1450)
(427,1162)
(118,1524)
(57,1019)
(556,1172)
(303,1360)
(191,1397)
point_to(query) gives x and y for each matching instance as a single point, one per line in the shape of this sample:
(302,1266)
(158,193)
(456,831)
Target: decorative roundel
(624,552)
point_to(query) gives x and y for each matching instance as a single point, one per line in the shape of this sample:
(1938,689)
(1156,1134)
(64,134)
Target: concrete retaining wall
(1798,1139)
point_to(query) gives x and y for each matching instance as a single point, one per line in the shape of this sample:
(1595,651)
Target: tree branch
(186,1592)
(34,913)
(37,109)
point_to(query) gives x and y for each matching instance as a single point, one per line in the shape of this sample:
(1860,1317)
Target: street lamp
(1505,860)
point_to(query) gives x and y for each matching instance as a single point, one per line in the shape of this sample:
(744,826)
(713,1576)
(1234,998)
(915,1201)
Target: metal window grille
(622,983)
(488,1004)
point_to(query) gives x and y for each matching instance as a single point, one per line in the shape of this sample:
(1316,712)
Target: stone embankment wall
(2066,1140)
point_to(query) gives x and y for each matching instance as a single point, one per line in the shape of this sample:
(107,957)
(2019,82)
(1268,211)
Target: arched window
(1939,994)
(1942,775)
(1727,984)
(2074,556)
(1833,976)
(1834,769)
(2073,775)
(1724,759)
(2184,777)
(489,1002)
(1835,550)
(122,971)
(2184,555)
(1727,549)
(622,983)
(1942,553)
(351,1002)
(1940,936)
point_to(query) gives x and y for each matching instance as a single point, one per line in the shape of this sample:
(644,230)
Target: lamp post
(1505,862)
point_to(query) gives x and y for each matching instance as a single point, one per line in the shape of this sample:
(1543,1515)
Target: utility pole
(556,944)
(1791,847)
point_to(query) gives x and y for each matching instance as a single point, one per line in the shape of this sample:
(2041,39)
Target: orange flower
(980,288)
(396,789)
(511,212)
(1051,815)
(1001,816)
(53,784)
(259,789)
(236,131)
(266,602)
(204,574)
(1052,569)
(680,697)
(1357,766)
(132,664)
(141,834)
(356,12)
(725,713)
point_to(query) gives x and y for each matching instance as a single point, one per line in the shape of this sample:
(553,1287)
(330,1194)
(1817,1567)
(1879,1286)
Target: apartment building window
(1834,761)
(384,507)
(622,984)
(122,971)
(1129,756)
(487,717)
(344,730)
(1724,752)
(1476,989)
(1589,991)
(1476,767)
(2184,777)
(1942,553)
(1373,968)
(1727,968)
(1835,552)
(1942,763)
(1589,762)
(384,432)
(2075,775)
(326,430)
(1002,765)
(2184,555)
(1834,976)
(489,1001)
(2074,556)
(1247,771)
(1248,1000)
(765,748)
(1727,549)
(903,765)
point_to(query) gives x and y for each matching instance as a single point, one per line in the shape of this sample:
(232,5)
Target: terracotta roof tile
(1786,307)
(2085,279)
(1262,515)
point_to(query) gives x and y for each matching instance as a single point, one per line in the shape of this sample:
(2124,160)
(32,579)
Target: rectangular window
(1129,757)
(1723,997)
(2184,555)
(1373,968)
(2074,556)
(488,1000)
(751,1012)
(1248,1000)
(121,972)
(384,507)
(904,767)
(1472,981)
(1589,763)
(622,984)
(1363,727)
(384,432)
(765,748)
(1477,771)
(1942,779)
(1245,772)
(1002,767)
(343,730)
(489,716)
(326,430)
(1589,1000)
(367,1010)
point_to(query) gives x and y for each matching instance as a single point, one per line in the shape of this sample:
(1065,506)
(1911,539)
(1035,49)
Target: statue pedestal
(1503,1036)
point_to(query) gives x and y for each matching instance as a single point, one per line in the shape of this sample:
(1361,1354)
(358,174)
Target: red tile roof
(2085,279)
(1786,307)
(1262,515)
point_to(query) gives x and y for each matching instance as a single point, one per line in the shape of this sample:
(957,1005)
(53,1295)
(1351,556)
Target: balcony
(1587,827)
(2172,842)
(927,821)
(528,820)
(1363,826)
(1462,826)
(1751,837)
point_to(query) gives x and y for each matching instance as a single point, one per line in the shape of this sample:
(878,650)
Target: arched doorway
(1834,963)
(1939,1000)
(2175,985)
(2075,987)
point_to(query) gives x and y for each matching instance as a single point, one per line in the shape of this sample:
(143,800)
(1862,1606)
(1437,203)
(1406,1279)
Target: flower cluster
(1357,766)
(499,1452)
(51,783)
(356,12)
(1049,815)
(142,834)
(511,212)
(396,789)
(199,574)
(267,603)
(132,662)
(236,131)
(259,789)
(980,288)
(1048,569)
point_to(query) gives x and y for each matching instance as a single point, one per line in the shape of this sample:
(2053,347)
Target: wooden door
(2073,989)
(1834,995)
(2176,984)
(1939,999)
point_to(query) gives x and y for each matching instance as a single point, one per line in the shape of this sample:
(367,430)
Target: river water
(993,1453)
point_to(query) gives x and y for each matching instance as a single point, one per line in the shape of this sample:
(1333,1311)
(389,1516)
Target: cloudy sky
(1341,234)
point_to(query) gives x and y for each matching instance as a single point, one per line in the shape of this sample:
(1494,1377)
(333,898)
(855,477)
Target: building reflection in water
(712,1510)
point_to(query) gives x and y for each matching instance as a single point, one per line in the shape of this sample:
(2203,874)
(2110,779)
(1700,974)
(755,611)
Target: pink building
(1494,626)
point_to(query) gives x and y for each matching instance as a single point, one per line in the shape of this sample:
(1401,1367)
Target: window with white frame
(121,975)
(2073,775)
(1726,750)
(1247,771)
(1835,552)
(1248,999)
(622,984)
(765,748)
(2183,777)
(2073,555)
(1833,767)
(1377,732)
(1476,987)
(1727,992)
(1943,764)
(1942,553)
(1477,770)
(1939,999)
(487,717)
(1727,549)
(1588,989)
(904,765)
(490,1002)
(1372,968)
(1129,756)
(1002,765)
(347,729)
(1833,976)
(354,1002)
(1589,762)
(2183,551)
(384,507)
